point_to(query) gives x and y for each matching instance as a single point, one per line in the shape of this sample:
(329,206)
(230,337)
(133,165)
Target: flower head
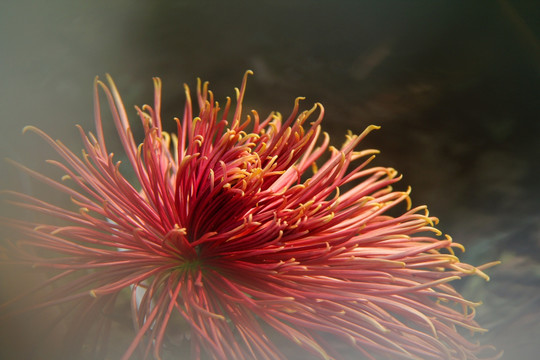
(238,231)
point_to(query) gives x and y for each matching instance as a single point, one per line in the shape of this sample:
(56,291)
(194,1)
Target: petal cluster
(238,233)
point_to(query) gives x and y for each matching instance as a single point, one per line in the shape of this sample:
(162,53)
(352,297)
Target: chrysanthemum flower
(237,235)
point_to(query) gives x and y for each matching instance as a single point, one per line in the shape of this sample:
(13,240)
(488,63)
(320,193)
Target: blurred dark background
(454,85)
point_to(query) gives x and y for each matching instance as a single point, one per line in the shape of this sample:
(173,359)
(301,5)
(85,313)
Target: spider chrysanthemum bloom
(235,237)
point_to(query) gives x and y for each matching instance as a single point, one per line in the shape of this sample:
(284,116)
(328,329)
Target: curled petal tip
(29,128)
